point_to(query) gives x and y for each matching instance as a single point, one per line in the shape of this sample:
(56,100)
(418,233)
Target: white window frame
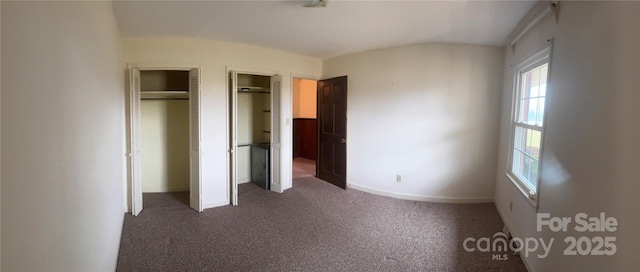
(535,59)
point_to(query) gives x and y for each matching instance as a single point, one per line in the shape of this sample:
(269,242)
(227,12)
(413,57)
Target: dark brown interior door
(332,131)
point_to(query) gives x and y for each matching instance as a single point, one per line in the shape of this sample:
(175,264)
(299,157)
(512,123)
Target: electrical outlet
(398,178)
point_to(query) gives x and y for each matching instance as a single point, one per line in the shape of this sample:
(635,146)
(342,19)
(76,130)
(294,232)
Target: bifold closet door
(135,148)
(276,133)
(194,143)
(233,126)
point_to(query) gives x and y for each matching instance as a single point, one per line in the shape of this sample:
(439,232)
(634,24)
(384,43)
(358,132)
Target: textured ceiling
(342,27)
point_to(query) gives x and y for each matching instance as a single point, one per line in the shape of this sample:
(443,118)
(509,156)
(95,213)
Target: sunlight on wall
(552,171)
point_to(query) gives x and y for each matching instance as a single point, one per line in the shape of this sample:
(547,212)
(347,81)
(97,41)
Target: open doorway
(305,127)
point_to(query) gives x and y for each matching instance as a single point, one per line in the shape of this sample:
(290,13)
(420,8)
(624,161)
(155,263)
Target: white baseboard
(244,180)
(438,199)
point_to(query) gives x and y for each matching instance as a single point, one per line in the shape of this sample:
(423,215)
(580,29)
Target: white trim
(528,126)
(533,16)
(251,71)
(303,76)
(523,188)
(423,198)
(535,58)
(172,66)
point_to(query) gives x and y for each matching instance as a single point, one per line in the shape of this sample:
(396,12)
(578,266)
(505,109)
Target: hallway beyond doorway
(303,168)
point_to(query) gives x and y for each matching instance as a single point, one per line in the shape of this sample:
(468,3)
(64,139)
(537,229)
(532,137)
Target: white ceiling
(342,27)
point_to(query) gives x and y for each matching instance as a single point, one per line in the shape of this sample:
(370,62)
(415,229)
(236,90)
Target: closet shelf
(256,88)
(253,89)
(164,94)
(164,91)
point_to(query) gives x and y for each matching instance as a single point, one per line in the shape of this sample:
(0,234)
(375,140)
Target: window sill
(524,190)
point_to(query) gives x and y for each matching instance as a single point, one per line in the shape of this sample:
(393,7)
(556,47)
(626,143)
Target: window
(530,93)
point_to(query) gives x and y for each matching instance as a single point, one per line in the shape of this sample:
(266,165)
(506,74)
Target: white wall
(214,57)
(308,103)
(62,137)
(165,145)
(592,132)
(427,112)
(304,98)
(295,96)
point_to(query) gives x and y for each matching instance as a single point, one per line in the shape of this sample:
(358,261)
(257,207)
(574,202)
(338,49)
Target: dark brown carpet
(314,226)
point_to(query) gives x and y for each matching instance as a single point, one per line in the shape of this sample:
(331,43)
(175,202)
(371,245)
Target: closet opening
(255,133)
(305,127)
(164,134)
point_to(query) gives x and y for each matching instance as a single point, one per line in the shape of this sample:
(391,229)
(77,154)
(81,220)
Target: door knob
(343,141)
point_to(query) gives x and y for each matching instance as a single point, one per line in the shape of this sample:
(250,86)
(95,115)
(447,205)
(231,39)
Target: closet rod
(254,92)
(147,98)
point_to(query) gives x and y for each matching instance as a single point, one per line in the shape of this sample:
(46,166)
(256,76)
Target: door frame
(291,77)
(166,66)
(231,183)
